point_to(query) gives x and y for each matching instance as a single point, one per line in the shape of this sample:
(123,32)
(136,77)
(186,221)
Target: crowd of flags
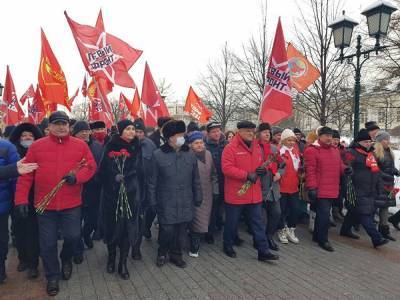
(107,60)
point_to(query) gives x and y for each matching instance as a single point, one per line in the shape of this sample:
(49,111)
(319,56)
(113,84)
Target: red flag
(196,108)
(104,55)
(36,110)
(124,105)
(13,113)
(30,93)
(277,98)
(51,78)
(136,107)
(71,100)
(151,97)
(84,87)
(99,22)
(99,106)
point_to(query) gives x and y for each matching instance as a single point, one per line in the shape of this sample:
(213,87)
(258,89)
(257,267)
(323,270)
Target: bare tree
(116,110)
(165,88)
(81,110)
(252,64)
(314,40)
(220,87)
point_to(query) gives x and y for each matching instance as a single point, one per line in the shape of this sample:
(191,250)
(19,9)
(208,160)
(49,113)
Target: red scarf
(370,161)
(269,155)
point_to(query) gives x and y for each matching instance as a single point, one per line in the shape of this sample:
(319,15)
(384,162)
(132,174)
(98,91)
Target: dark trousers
(27,239)
(253,211)
(89,220)
(216,219)
(195,238)
(273,212)
(69,223)
(149,217)
(367,221)
(290,208)
(170,239)
(322,223)
(3,237)
(142,224)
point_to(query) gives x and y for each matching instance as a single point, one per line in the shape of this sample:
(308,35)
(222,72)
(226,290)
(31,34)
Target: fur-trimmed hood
(16,133)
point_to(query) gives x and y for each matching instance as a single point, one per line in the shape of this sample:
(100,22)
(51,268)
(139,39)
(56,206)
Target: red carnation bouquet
(47,199)
(123,207)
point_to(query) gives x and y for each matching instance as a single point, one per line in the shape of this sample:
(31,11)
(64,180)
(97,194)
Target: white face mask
(180,141)
(26,144)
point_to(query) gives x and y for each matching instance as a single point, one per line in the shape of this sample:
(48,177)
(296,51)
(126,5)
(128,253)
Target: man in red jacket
(323,167)
(242,162)
(59,156)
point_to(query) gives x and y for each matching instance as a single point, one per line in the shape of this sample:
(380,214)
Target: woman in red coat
(289,184)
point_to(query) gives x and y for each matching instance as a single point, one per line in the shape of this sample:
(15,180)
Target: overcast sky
(178,38)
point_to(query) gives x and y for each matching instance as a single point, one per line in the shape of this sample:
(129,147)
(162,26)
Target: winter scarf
(370,161)
(293,154)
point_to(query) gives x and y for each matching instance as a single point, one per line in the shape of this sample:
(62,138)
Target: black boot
(22,266)
(177,260)
(122,268)
(395,220)
(136,254)
(385,231)
(194,245)
(381,242)
(52,287)
(3,275)
(66,269)
(272,244)
(112,253)
(78,259)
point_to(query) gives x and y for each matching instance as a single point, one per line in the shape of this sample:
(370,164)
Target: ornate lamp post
(378,17)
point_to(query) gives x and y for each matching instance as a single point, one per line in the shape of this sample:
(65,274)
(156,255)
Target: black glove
(348,171)
(119,178)
(70,179)
(396,172)
(261,171)
(252,177)
(22,211)
(312,195)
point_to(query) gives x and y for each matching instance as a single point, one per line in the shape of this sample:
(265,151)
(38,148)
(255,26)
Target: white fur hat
(287,133)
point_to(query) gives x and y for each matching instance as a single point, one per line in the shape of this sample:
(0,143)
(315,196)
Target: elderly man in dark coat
(174,188)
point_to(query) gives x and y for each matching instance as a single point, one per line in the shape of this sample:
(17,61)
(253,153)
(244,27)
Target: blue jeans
(322,222)
(69,221)
(232,215)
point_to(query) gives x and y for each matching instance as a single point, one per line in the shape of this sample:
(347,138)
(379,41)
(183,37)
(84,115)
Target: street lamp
(378,17)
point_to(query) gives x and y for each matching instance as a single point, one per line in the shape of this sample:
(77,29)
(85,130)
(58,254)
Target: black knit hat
(97,125)
(123,124)
(264,126)
(213,125)
(245,124)
(325,130)
(363,135)
(371,125)
(80,126)
(192,126)
(173,127)
(297,131)
(139,124)
(336,134)
(162,120)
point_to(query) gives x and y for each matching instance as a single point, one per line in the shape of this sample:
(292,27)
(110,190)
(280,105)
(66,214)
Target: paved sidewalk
(354,271)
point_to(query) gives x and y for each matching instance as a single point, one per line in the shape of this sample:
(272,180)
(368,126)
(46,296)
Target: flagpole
(101,97)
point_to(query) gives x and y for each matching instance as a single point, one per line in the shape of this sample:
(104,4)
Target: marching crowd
(79,182)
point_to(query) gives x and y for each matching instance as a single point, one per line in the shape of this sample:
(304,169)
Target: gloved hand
(70,179)
(119,178)
(252,177)
(261,171)
(312,195)
(348,171)
(22,211)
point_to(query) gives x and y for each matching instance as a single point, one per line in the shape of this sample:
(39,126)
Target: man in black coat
(367,185)
(90,193)
(147,147)
(215,142)
(174,189)
(26,229)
